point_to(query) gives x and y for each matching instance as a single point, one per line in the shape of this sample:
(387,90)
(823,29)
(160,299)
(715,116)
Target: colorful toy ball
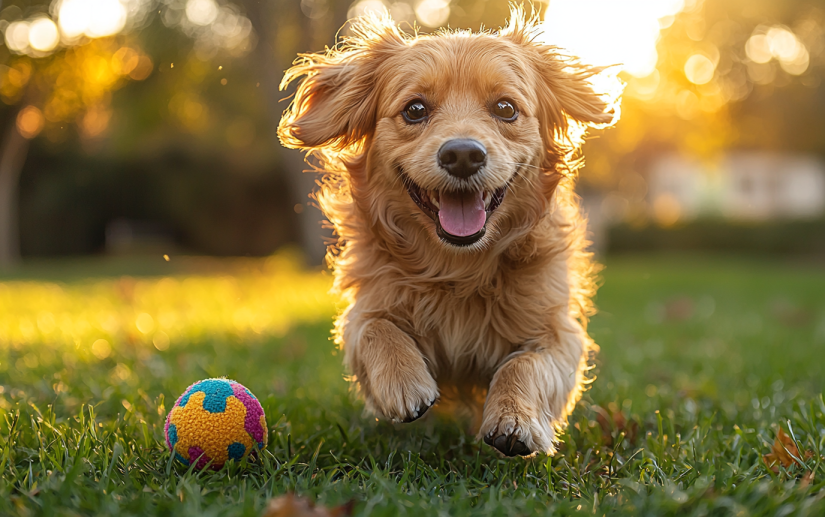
(215,420)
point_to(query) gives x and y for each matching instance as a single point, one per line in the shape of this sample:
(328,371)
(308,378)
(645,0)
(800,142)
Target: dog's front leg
(531,395)
(391,371)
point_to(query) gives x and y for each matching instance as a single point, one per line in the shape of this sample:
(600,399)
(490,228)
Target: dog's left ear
(568,100)
(335,104)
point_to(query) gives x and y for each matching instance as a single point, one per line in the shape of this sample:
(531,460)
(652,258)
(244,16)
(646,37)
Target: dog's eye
(505,111)
(415,112)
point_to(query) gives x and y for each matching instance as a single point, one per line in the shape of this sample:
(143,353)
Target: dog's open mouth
(460,216)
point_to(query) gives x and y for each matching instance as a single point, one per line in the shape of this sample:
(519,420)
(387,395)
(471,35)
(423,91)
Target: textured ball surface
(215,420)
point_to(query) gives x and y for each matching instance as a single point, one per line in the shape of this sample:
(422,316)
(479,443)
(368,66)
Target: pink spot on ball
(195,453)
(166,431)
(254,412)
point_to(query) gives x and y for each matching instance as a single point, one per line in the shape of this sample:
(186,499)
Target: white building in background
(752,186)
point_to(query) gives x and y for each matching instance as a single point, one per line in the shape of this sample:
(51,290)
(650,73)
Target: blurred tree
(48,84)
(64,58)
(287,28)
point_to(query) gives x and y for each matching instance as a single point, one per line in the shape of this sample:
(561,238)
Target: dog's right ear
(335,104)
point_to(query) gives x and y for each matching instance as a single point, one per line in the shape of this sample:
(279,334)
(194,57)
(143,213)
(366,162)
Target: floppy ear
(335,104)
(568,100)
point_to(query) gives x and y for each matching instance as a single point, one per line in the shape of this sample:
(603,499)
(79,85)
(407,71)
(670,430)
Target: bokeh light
(93,18)
(30,121)
(433,13)
(214,27)
(202,12)
(17,36)
(780,43)
(429,13)
(364,7)
(699,69)
(43,35)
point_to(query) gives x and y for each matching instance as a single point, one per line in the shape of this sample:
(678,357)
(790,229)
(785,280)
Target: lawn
(703,359)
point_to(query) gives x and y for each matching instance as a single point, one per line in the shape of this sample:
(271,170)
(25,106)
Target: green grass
(705,357)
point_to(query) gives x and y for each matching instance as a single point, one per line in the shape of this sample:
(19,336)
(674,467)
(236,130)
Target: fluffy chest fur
(468,316)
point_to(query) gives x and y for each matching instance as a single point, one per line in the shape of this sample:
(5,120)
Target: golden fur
(506,316)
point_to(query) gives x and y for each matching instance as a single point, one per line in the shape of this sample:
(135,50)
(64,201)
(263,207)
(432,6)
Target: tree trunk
(12,158)
(283,32)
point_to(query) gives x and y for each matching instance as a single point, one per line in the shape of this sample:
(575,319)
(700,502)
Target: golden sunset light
(609,32)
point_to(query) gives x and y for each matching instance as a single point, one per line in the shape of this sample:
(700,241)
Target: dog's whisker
(521,164)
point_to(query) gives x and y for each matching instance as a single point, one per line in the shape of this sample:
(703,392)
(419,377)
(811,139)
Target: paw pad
(509,445)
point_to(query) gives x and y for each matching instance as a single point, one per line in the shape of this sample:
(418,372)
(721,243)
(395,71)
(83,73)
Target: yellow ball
(215,420)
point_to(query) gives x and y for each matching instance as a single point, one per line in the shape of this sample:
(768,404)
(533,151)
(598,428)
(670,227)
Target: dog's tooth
(434,199)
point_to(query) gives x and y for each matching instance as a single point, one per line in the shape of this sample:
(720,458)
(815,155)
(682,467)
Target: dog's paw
(419,411)
(403,397)
(510,439)
(513,435)
(507,440)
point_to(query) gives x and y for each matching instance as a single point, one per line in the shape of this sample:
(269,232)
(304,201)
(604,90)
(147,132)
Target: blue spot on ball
(181,459)
(216,390)
(173,434)
(236,451)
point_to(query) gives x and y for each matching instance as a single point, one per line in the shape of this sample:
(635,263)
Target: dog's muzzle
(460,216)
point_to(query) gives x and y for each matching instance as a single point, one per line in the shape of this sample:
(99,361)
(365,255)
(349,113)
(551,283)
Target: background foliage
(177,128)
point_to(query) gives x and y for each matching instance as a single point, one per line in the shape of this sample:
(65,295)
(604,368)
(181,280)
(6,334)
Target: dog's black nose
(462,157)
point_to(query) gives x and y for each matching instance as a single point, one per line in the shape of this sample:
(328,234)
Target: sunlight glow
(93,18)
(610,32)
(92,319)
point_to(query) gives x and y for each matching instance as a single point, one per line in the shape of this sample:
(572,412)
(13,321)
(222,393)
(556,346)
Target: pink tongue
(462,213)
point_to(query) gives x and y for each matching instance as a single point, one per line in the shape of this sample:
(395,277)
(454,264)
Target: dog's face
(458,126)
(460,135)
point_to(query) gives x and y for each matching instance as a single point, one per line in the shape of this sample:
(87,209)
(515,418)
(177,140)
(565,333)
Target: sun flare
(611,32)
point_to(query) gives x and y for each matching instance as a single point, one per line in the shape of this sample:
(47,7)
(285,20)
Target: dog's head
(458,135)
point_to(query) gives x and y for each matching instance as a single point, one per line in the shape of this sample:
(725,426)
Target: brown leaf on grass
(680,309)
(615,419)
(784,452)
(791,315)
(807,479)
(290,505)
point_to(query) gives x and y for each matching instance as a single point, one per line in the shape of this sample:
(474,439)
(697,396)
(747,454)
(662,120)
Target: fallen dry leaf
(784,452)
(807,479)
(680,309)
(290,505)
(615,419)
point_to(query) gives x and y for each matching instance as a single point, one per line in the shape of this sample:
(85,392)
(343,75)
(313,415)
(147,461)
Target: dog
(447,165)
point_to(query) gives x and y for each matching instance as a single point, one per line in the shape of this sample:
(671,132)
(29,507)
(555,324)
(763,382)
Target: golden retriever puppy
(448,164)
